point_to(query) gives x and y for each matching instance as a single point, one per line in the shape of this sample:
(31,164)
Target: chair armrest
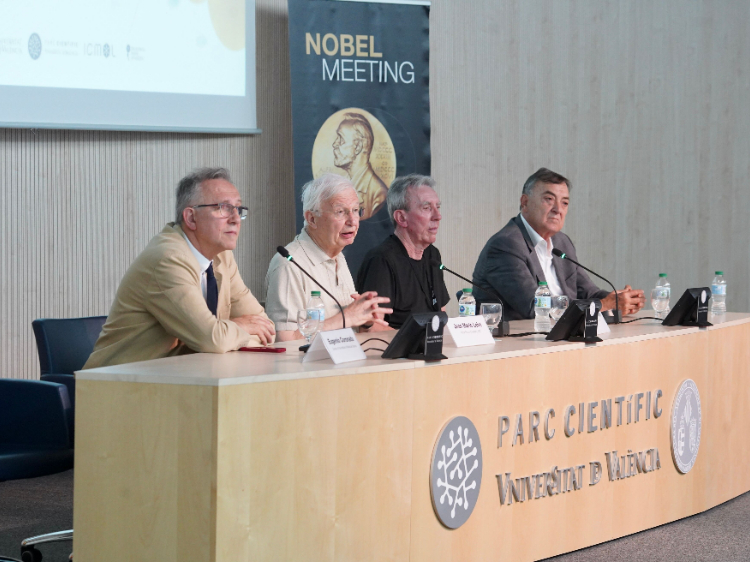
(69,381)
(35,414)
(61,378)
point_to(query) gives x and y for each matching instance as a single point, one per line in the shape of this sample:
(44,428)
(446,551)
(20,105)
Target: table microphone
(616,314)
(504,327)
(285,254)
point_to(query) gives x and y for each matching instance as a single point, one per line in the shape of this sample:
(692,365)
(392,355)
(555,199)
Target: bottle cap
(662,275)
(719,273)
(468,290)
(542,283)
(315,293)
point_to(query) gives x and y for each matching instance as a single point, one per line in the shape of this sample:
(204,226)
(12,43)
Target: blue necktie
(212,290)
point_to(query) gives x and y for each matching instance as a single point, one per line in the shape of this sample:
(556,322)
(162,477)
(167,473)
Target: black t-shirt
(412,285)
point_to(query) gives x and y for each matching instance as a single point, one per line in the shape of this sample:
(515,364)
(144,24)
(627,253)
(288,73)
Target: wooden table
(255,457)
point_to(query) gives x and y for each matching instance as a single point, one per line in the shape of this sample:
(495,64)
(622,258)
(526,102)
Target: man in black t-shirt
(406,266)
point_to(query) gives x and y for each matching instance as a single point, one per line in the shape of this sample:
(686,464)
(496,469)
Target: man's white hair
(320,190)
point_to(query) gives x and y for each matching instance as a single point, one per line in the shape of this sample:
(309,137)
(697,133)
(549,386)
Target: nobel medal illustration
(353,143)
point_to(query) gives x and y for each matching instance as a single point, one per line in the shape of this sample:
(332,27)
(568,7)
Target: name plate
(467,330)
(340,345)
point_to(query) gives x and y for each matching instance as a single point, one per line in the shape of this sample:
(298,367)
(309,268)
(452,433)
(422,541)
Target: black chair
(29,552)
(36,437)
(64,346)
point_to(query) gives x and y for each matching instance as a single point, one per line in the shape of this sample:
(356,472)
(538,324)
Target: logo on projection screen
(35,46)
(456,472)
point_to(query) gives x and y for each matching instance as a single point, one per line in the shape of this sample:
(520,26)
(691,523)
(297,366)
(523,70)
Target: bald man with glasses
(183,293)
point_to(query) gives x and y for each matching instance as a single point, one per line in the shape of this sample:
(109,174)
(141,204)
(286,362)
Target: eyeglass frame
(345,213)
(232,208)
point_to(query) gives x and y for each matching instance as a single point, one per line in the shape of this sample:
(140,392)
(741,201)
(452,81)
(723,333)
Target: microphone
(504,327)
(284,253)
(616,314)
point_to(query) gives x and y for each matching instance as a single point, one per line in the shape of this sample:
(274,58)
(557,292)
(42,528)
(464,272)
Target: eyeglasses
(226,209)
(339,214)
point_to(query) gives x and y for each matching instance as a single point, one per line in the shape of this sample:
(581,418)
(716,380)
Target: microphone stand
(503,328)
(285,254)
(616,317)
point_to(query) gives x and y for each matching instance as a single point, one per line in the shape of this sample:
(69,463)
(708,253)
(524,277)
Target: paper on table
(602,327)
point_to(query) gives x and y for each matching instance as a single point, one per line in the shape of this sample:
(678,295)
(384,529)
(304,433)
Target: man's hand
(366,310)
(257,325)
(630,300)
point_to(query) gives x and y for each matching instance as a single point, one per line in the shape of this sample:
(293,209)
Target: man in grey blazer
(515,259)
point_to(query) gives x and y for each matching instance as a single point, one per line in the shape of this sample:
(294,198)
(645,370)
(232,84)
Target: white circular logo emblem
(686,426)
(592,309)
(35,46)
(456,473)
(703,296)
(435,323)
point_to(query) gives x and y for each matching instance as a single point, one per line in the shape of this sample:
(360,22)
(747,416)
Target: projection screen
(128,65)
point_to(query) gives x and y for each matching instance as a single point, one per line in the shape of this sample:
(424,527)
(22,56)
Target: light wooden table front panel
(336,468)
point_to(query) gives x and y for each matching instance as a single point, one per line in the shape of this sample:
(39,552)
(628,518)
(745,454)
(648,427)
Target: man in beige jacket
(184,293)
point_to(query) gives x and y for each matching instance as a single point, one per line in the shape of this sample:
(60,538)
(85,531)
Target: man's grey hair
(320,190)
(397,198)
(543,175)
(189,188)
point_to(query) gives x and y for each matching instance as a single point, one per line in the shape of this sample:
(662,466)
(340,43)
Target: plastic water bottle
(542,306)
(317,303)
(660,296)
(718,294)
(467,304)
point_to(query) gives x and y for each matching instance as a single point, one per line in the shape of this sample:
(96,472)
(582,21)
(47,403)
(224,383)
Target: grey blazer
(509,265)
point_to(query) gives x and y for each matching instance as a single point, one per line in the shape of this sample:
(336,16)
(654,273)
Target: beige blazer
(159,309)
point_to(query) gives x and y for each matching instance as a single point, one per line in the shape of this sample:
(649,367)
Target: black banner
(360,70)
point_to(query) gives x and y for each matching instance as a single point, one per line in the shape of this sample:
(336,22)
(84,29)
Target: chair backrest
(64,344)
(35,413)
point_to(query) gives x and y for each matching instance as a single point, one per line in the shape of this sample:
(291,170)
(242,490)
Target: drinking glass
(559,306)
(308,321)
(493,313)
(660,301)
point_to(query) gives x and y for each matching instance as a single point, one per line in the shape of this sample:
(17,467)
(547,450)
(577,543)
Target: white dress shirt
(203,263)
(544,253)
